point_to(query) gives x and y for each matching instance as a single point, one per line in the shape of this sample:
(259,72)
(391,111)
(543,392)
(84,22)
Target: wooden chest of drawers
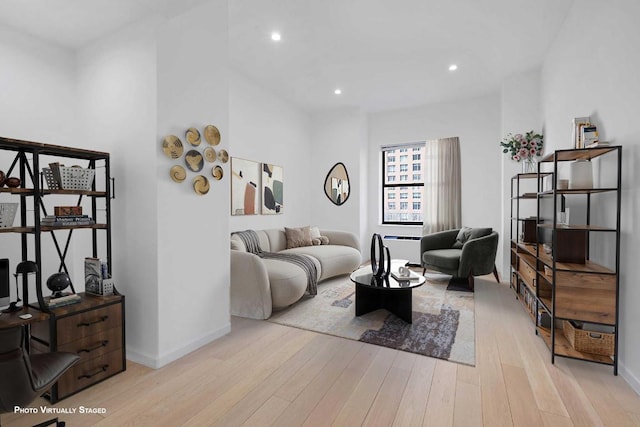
(94,330)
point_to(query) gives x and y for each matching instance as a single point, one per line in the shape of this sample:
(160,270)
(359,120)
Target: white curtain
(442,206)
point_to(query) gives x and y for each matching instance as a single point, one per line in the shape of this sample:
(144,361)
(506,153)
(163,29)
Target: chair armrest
(439,240)
(250,291)
(342,238)
(478,255)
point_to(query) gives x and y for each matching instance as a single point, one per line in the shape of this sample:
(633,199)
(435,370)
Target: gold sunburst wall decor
(192,161)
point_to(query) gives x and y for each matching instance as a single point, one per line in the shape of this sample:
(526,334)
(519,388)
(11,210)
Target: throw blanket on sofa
(252,243)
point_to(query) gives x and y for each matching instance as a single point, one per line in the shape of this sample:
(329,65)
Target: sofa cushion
(443,259)
(298,237)
(467,233)
(288,282)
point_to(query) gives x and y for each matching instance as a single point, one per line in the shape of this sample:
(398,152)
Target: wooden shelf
(577,227)
(588,267)
(18,190)
(530,175)
(563,347)
(16,230)
(73,227)
(30,191)
(577,154)
(578,191)
(586,304)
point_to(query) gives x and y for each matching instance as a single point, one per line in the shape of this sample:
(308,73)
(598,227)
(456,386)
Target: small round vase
(529,165)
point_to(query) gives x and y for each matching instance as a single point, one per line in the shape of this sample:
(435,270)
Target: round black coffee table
(393,295)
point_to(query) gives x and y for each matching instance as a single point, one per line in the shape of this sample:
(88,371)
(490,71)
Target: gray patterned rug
(443,321)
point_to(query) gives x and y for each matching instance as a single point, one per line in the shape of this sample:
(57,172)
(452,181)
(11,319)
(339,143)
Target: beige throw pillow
(298,237)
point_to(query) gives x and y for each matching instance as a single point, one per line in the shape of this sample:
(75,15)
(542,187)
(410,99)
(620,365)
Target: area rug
(443,320)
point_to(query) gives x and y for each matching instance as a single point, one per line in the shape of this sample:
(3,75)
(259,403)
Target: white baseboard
(629,377)
(165,359)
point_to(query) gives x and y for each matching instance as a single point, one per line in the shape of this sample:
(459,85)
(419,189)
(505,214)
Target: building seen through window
(398,184)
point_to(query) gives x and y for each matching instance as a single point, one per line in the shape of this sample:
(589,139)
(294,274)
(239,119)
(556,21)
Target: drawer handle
(99,371)
(102,319)
(90,349)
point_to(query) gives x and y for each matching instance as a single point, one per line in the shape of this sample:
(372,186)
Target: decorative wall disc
(201,184)
(217,172)
(193,136)
(194,161)
(223,156)
(172,146)
(177,173)
(212,135)
(210,154)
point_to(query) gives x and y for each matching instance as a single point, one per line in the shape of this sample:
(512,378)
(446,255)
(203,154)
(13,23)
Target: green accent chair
(462,253)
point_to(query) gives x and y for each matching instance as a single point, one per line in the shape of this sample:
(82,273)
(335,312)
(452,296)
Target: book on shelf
(598,144)
(578,123)
(588,135)
(63,300)
(65,221)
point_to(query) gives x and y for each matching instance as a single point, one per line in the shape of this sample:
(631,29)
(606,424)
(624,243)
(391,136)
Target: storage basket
(69,178)
(7,214)
(588,341)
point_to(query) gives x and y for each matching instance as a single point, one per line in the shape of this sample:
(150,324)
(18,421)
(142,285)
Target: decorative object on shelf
(96,277)
(194,161)
(524,148)
(245,181)
(209,154)
(60,177)
(192,136)
(12,182)
(178,173)
(57,283)
(201,185)
(217,172)
(172,147)
(336,184)
(212,135)
(563,184)
(272,189)
(223,156)
(3,177)
(7,214)
(24,268)
(581,175)
(67,210)
(578,123)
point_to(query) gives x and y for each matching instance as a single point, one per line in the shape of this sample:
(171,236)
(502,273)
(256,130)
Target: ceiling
(383,54)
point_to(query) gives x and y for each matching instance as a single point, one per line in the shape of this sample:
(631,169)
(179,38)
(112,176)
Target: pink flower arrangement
(523,147)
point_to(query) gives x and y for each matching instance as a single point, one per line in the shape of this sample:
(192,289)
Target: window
(404,186)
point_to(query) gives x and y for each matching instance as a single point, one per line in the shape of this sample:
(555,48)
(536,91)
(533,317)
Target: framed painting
(272,189)
(245,184)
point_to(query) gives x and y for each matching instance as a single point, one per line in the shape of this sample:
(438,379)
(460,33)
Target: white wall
(521,112)
(265,128)
(595,73)
(117,88)
(192,230)
(477,123)
(339,136)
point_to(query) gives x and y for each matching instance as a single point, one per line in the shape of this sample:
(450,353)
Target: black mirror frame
(346,172)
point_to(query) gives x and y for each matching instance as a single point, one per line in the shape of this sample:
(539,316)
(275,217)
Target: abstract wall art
(272,189)
(245,184)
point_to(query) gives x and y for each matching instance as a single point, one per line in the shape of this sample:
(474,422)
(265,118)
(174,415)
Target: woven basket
(588,341)
(7,214)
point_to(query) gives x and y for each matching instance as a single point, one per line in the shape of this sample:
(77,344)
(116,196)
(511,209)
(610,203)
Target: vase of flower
(524,148)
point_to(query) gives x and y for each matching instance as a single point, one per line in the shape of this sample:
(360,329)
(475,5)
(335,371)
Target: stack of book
(63,300)
(66,216)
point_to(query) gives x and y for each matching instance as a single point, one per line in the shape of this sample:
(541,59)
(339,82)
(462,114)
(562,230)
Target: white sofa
(259,285)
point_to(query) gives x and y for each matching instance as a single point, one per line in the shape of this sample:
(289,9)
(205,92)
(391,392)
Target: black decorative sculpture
(380,257)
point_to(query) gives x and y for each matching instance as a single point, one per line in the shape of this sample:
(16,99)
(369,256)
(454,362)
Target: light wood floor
(265,374)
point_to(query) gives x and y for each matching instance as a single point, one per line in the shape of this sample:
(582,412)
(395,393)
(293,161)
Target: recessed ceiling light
(338,91)
(453,67)
(275,37)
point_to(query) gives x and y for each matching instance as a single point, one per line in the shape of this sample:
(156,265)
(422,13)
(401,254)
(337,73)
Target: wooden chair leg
(424,270)
(495,273)
(471,282)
